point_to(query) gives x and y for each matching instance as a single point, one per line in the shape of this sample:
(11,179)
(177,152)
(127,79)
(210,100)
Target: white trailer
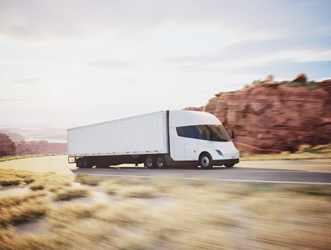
(162,139)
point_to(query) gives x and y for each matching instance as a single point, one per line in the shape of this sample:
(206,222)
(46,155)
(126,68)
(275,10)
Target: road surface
(282,171)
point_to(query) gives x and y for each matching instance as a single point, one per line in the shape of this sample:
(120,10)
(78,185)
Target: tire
(160,162)
(79,163)
(229,165)
(150,162)
(206,161)
(86,163)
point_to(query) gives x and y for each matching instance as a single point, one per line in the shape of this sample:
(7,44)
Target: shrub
(9,201)
(39,185)
(92,180)
(137,191)
(312,85)
(21,209)
(304,148)
(9,180)
(109,187)
(71,193)
(295,84)
(28,180)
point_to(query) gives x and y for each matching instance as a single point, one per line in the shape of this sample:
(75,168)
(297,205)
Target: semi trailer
(171,138)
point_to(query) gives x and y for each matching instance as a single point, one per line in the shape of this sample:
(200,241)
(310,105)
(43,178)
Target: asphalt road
(220,173)
(296,171)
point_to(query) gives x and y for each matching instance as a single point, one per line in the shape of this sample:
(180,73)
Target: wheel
(160,162)
(229,165)
(150,162)
(206,161)
(79,163)
(86,163)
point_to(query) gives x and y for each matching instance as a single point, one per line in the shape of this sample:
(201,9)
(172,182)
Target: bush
(295,84)
(92,180)
(311,85)
(9,180)
(304,148)
(109,187)
(137,191)
(37,185)
(71,193)
(16,209)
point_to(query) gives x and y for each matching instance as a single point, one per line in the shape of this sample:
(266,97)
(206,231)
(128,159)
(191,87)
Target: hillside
(40,147)
(271,117)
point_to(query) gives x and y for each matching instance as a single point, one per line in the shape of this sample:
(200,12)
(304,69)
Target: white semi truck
(171,138)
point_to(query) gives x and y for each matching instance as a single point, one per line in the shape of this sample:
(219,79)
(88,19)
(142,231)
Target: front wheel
(79,163)
(86,163)
(150,162)
(160,162)
(206,161)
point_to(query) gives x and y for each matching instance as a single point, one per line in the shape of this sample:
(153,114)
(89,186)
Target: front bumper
(225,162)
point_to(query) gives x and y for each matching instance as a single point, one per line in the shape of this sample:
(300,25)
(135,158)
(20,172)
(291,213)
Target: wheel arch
(204,152)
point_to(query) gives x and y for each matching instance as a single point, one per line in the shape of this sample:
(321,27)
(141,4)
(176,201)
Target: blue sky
(76,62)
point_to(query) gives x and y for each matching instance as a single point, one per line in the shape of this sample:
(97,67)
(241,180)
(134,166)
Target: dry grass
(69,193)
(174,214)
(17,209)
(17,157)
(89,179)
(304,152)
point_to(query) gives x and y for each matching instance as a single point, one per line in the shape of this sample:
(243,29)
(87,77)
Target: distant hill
(14,136)
(40,147)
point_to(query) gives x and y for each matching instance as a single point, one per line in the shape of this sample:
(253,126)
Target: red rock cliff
(275,117)
(40,147)
(7,146)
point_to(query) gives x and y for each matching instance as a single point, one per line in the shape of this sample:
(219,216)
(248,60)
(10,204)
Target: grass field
(161,213)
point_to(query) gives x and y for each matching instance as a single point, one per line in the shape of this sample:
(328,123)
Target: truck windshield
(219,133)
(204,132)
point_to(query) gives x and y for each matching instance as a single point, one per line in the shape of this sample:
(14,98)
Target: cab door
(191,148)
(177,146)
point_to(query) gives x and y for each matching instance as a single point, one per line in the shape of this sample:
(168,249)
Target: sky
(67,63)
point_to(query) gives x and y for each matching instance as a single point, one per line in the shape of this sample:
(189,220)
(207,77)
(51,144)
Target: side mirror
(232,137)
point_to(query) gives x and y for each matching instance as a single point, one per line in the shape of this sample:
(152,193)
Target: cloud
(288,69)
(28,81)
(250,54)
(69,19)
(107,64)
(6,101)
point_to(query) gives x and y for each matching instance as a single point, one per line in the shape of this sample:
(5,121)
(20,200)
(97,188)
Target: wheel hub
(205,161)
(160,162)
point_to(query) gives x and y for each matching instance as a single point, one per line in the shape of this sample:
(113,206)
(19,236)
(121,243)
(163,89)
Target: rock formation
(40,147)
(194,108)
(300,78)
(7,146)
(274,118)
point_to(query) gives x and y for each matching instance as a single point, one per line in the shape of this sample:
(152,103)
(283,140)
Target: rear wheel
(206,161)
(150,162)
(160,162)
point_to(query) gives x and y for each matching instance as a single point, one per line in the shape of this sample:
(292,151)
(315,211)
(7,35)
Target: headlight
(219,153)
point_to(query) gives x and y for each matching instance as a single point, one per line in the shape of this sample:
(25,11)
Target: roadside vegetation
(163,213)
(17,157)
(304,152)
